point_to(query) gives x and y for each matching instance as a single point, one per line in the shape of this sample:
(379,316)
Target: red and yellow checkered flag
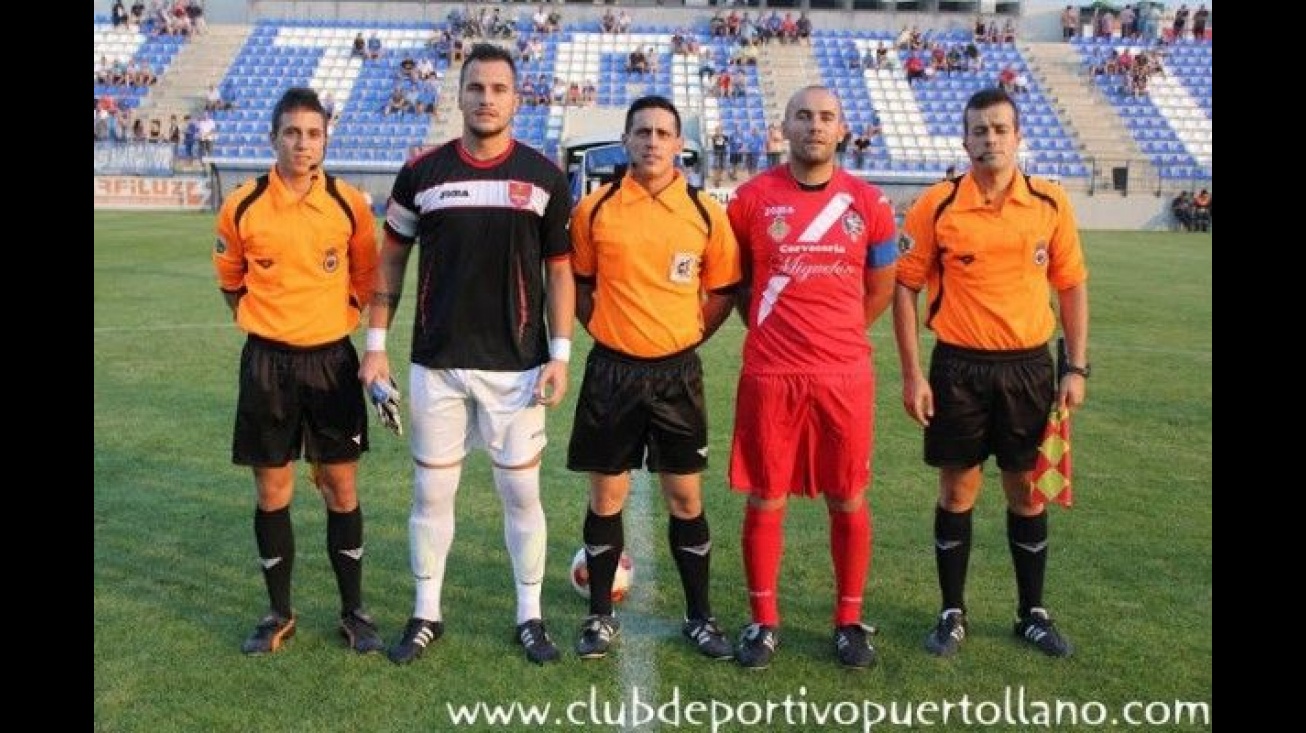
(1051,477)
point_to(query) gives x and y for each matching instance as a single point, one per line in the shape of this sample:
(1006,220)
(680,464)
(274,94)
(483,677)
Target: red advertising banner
(175,193)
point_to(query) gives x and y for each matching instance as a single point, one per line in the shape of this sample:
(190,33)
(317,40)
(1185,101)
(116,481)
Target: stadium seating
(1171,122)
(136,46)
(920,123)
(281,53)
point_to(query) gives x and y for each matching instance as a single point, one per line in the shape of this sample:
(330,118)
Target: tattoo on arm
(388,299)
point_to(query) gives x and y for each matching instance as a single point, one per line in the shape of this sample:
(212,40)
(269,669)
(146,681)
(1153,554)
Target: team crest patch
(1041,254)
(905,243)
(779,228)
(331,261)
(220,246)
(519,193)
(853,224)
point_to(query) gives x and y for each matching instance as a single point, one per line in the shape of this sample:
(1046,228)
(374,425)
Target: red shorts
(804,435)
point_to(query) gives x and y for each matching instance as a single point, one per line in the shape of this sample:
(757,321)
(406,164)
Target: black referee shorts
(629,405)
(988,403)
(298,400)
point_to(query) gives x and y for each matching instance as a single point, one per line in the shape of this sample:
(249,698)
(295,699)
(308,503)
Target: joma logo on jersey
(778,211)
(450,193)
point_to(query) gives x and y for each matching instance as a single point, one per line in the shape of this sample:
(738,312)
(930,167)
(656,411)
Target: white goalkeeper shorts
(456,410)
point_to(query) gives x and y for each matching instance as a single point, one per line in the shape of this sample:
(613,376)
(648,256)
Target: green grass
(177,585)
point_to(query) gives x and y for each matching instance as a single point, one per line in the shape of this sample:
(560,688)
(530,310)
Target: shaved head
(808,96)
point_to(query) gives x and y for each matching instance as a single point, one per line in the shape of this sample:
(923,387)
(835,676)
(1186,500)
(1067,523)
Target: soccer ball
(580,576)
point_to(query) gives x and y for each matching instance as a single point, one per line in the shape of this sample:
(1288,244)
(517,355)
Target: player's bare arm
(917,397)
(716,309)
(375,364)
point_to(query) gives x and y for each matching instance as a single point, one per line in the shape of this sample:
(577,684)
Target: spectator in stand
(737,146)
(623,21)
(207,134)
(775,144)
(195,10)
(190,136)
(156,130)
(214,100)
(173,134)
(1128,23)
(137,16)
(956,60)
(118,14)
(180,19)
(1181,208)
(789,29)
(738,82)
(804,28)
(773,27)
(540,20)
(608,22)
(1069,23)
(1149,22)
(637,62)
(1009,31)
(861,144)
(1202,211)
(915,68)
(396,104)
(1200,19)
(720,142)
(374,51)
(1180,22)
(1106,22)
(1007,79)
(359,48)
(974,61)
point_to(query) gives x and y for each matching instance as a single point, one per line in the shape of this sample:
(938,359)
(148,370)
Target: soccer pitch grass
(177,585)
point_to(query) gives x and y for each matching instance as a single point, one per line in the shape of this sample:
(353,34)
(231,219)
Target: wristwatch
(1083,371)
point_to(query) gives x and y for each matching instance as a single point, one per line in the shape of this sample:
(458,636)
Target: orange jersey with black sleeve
(304,265)
(988,270)
(651,259)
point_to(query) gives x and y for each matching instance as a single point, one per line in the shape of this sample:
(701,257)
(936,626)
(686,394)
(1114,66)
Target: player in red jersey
(819,252)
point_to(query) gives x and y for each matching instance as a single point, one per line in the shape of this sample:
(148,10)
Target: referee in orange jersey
(656,265)
(991,246)
(295,256)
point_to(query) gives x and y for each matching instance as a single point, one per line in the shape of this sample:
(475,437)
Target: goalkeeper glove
(385,396)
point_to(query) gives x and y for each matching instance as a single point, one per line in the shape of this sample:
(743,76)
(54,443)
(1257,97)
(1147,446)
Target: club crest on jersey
(853,225)
(905,242)
(1041,254)
(331,261)
(778,229)
(519,193)
(220,246)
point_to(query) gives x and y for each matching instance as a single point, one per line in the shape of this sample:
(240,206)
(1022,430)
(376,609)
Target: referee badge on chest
(683,265)
(331,261)
(1041,254)
(779,229)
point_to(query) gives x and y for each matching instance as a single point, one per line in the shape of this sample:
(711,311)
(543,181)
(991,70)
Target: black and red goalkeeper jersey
(485,230)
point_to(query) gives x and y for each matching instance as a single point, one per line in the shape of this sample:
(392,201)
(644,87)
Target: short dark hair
(488,52)
(297,98)
(985,98)
(652,101)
